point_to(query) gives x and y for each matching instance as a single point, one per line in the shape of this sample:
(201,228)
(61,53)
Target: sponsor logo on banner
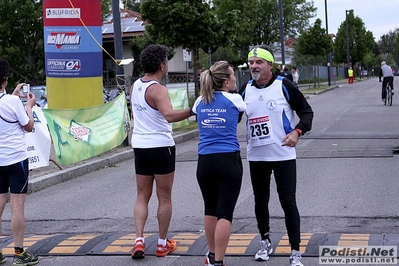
(59,39)
(63,65)
(62,13)
(79,131)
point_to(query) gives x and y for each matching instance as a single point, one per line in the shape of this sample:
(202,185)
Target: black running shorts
(158,161)
(15,178)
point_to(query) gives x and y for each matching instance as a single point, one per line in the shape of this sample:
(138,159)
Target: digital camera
(26,89)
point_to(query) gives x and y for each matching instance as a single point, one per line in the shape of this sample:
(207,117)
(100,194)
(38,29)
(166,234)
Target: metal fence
(308,74)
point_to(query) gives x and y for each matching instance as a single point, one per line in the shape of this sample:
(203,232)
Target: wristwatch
(191,112)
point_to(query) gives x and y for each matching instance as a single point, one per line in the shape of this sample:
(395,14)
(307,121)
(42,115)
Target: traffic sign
(186,55)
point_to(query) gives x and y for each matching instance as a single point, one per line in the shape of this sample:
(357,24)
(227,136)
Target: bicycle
(389,95)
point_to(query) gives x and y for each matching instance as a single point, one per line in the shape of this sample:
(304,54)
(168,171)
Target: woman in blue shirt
(219,169)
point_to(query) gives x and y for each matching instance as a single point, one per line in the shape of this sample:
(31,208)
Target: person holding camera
(15,119)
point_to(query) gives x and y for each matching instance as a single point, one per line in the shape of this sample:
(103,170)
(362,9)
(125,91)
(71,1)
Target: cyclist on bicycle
(386,72)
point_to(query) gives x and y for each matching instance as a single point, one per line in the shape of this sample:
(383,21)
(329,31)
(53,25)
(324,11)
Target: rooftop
(131,24)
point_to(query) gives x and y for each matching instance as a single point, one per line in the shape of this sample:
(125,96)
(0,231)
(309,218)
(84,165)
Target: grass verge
(192,125)
(315,90)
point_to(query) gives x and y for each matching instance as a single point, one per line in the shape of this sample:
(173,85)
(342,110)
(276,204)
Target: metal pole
(210,57)
(188,93)
(328,54)
(118,46)
(280,7)
(347,37)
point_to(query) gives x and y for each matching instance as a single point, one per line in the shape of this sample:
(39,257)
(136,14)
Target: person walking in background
(350,76)
(199,73)
(15,119)
(287,74)
(272,135)
(387,75)
(295,75)
(154,147)
(278,70)
(219,168)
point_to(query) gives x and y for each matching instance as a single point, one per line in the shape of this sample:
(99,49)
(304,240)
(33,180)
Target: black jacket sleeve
(300,105)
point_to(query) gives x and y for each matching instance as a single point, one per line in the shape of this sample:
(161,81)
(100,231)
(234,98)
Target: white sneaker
(296,258)
(265,250)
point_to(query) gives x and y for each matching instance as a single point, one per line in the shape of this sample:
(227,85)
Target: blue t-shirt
(217,122)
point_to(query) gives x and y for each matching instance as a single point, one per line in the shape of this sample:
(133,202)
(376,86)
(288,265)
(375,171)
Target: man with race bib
(272,102)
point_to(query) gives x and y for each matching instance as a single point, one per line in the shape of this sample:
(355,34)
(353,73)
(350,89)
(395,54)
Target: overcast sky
(378,16)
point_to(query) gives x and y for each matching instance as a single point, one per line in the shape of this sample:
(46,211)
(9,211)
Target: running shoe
(296,258)
(138,250)
(209,259)
(26,258)
(162,251)
(265,250)
(2,258)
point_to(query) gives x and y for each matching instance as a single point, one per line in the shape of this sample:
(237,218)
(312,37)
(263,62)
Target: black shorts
(158,161)
(15,178)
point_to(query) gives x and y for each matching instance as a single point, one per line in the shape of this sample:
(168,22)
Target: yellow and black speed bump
(188,244)
(312,247)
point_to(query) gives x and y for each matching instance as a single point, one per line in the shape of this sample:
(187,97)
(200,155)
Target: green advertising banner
(79,134)
(179,101)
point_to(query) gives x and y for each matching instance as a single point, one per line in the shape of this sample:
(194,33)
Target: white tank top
(269,119)
(151,130)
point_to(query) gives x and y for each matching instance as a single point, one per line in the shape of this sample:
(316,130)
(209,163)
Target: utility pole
(120,75)
(329,52)
(348,57)
(280,7)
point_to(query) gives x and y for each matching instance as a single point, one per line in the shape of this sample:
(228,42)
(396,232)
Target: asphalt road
(347,184)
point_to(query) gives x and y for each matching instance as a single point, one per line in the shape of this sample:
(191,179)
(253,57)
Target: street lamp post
(347,35)
(328,55)
(280,8)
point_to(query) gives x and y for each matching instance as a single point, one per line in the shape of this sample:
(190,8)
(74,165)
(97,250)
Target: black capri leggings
(219,177)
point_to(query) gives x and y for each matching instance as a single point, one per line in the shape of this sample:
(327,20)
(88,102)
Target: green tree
(313,45)
(361,41)
(188,23)
(388,44)
(259,20)
(314,42)
(105,8)
(22,42)
(138,44)
(133,5)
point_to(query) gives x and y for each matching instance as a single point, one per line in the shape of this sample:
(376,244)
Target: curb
(92,165)
(322,91)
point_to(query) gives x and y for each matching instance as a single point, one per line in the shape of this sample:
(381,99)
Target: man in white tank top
(154,147)
(272,134)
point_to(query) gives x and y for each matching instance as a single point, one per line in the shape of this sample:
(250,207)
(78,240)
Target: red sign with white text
(72,13)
